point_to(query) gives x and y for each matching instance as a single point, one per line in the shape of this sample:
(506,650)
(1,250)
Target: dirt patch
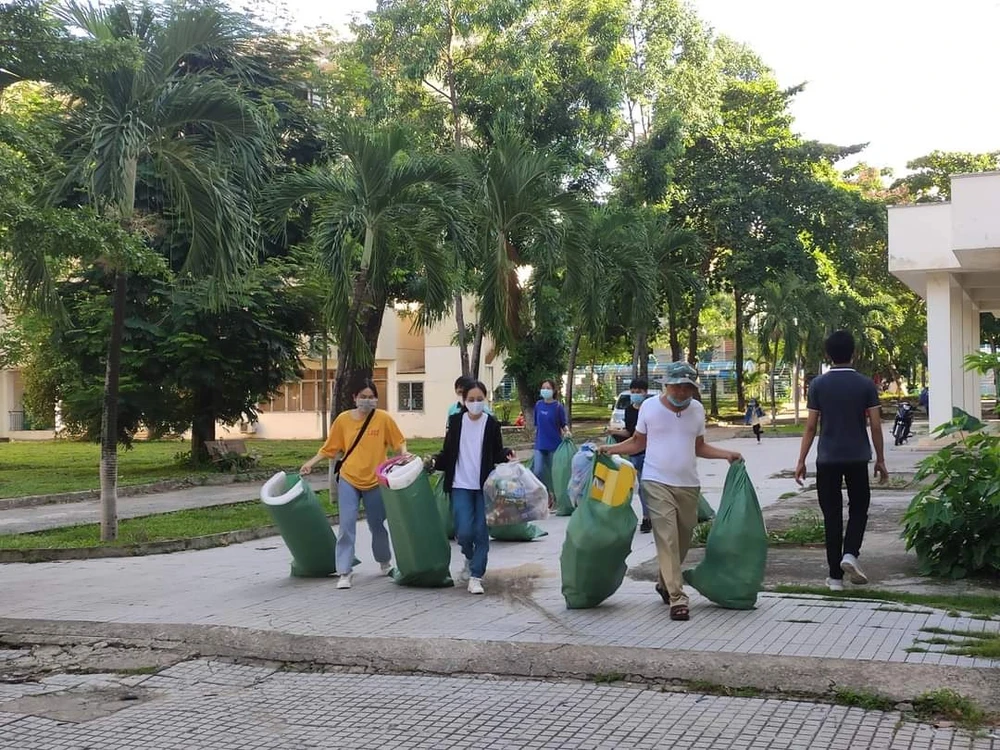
(78,706)
(884,557)
(24,662)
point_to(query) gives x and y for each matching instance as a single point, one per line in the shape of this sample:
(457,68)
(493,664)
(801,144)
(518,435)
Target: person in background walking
(671,431)
(473,446)
(551,426)
(843,403)
(461,384)
(638,392)
(753,416)
(361,437)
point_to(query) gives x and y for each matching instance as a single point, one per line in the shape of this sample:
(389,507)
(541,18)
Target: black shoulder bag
(361,433)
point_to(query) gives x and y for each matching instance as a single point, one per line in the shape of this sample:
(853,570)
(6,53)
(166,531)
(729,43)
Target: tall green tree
(521,220)
(155,122)
(377,210)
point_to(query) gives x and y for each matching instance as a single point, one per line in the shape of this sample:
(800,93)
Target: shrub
(953,523)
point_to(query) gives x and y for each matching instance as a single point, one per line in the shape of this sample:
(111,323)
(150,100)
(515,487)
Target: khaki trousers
(674,513)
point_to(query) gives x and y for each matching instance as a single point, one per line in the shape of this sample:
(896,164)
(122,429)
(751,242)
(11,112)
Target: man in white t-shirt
(671,430)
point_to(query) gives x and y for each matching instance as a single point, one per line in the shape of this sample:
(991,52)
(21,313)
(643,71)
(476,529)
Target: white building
(415,372)
(949,254)
(14,423)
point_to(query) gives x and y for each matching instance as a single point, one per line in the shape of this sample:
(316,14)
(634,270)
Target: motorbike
(904,421)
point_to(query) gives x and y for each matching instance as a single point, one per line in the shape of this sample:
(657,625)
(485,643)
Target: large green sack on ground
(443,502)
(517,532)
(732,572)
(598,539)
(705,512)
(303,525)
(421,548)
(562,469)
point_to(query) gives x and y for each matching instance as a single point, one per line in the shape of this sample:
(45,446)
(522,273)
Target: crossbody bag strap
(357,439)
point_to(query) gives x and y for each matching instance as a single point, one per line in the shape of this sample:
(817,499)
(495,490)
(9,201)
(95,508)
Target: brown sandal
(680,612)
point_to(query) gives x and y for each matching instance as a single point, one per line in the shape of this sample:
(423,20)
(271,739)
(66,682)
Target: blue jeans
(637,462)
(469,510)
(541,467)
(350,499)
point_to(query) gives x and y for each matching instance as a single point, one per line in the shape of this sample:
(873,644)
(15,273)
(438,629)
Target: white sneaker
(465,575)
(850,566)
(476,586)
(834,584)
(386,568)
(345,581)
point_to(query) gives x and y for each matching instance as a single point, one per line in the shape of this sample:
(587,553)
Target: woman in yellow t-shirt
(357,482)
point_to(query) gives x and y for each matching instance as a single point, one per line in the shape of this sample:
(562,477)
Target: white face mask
(475,407)
(366,405)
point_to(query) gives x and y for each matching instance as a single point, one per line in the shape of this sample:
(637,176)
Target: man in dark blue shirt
(843,403)
(638,391)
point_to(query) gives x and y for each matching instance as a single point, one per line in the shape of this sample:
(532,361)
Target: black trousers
(830,480)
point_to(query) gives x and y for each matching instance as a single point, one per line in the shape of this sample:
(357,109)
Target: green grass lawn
(975,604)
(182,524)
(53,466)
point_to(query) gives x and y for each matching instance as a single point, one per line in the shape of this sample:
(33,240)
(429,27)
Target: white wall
(975,211)
(920,238)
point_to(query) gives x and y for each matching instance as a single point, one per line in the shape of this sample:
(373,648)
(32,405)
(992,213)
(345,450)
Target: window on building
(411,396)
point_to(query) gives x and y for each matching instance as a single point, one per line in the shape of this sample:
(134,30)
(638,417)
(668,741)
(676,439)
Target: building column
(973,380)
(6,393)
(945,346)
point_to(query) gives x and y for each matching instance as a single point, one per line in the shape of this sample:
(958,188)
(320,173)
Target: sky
(905,76)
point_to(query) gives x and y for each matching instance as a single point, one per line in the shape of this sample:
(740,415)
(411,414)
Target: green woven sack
(421,548)
(517,532)
(598,540)
(732,572)
(562,469)
(705,512)
(303,525)
(443,501)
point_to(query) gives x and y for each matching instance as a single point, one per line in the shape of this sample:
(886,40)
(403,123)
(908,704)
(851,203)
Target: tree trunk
(643,346)
(477,349)
(595,391)
(324,398)
(774,379)
(635,358)
(463,342)
(109,415)
(693,339)
(348,369)
(741,401)
(526,397)
(202,427)
(456,123)
(797,377)
(573,351)
(676,352)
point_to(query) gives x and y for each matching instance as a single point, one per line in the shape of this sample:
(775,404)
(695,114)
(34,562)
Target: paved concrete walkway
(204,704)
(765,460)
(247,585)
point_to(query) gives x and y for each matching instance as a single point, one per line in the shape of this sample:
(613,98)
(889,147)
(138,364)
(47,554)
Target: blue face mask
(546,393)
(637,398)
(680,403)
(475,407)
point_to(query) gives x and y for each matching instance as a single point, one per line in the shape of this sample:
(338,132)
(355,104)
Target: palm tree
(677,259)
(608,264)
(157,125)
(377,210)
(520,217)
(782,307)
